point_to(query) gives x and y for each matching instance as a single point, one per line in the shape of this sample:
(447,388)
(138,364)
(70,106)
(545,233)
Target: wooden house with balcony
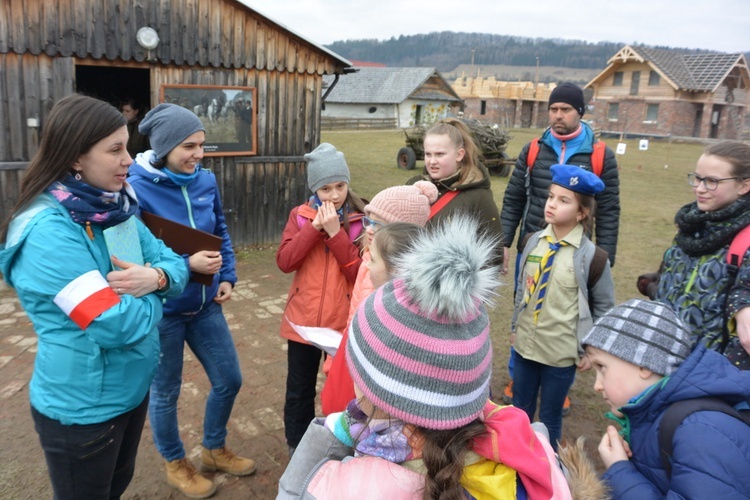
(657,92)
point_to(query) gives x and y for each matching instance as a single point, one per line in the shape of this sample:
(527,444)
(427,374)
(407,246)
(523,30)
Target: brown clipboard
(183,240)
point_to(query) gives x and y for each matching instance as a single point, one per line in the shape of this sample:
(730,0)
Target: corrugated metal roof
(386,86)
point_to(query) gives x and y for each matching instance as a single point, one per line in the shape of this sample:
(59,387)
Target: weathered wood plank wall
(204,42)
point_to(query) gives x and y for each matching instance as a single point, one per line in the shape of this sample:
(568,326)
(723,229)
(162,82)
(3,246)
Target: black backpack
(678,411)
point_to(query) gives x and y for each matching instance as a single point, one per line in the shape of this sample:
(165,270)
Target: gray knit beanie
(325,165)
(644,333)
(419,347)
(167,125)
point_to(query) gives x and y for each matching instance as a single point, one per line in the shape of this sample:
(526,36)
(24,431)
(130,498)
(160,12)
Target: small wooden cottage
(389,97)
(51,48)
(657,92)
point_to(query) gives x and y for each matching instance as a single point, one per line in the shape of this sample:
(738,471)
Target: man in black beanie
(569,141)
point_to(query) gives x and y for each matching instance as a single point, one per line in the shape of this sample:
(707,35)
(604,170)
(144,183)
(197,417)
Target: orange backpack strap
(443,201)
(532,153)
(597,158)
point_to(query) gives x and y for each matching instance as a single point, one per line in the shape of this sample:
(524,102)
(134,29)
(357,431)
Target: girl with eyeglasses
(695,277)
(321,245)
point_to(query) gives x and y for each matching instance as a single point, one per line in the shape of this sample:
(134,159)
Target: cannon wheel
(406,158)
(507,165)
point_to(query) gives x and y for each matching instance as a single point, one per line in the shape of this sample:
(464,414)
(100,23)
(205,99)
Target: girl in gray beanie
(320,244)
(170,183)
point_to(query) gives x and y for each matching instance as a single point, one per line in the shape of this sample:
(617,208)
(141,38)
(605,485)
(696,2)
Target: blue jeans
(94,461)
(529,376)
(208,336)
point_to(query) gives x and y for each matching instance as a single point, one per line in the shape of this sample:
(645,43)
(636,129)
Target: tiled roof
(693,72)
(386,86)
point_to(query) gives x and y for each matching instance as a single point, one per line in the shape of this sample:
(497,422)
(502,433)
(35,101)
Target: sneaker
(224,460)
(566,406)
(508,393)
(182,475)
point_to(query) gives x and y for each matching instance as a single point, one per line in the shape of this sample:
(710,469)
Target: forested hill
(446,50)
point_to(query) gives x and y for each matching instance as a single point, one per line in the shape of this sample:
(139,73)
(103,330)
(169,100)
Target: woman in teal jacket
(95,315)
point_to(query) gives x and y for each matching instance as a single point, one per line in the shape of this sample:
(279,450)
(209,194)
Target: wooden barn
(103,48)
(659,92)
(388,97)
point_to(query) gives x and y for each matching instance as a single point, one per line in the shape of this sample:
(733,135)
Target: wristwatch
(163,282)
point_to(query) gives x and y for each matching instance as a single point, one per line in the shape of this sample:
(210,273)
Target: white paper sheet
(327,339)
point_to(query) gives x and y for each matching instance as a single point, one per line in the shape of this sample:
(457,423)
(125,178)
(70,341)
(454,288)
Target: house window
(635,82)
(372,109)
(653,78)
(483,108)
(617,79)
(652,113)
(613,110)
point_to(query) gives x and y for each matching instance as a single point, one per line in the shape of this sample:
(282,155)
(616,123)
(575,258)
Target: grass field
(652,187)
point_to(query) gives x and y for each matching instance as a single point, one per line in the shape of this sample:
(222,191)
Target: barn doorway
(114,84)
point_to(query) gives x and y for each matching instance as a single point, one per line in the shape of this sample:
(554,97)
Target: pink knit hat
(419,347)
(404,203)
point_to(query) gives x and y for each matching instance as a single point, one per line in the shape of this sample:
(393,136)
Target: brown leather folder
(183,240)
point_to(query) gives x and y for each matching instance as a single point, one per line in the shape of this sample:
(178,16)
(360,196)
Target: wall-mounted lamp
(148,39)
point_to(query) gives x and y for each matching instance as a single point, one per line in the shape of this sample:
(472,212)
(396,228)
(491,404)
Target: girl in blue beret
(565,284)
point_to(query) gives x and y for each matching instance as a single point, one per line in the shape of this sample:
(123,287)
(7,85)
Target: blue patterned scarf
(86,203)
(316,204)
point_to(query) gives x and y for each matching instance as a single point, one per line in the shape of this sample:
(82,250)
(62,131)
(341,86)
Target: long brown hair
(394,239)
(443,456)
(587,208)
(460,135)
(74,125)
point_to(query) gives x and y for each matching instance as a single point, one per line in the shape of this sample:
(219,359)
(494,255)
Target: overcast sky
(722,25)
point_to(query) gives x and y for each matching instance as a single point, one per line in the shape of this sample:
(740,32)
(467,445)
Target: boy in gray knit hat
(642,356)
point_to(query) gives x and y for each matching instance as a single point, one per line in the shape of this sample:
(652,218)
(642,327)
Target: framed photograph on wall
(227,113)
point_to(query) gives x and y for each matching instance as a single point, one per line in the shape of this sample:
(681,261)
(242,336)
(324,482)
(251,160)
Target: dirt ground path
(256,427)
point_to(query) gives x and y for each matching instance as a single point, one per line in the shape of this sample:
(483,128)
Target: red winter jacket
(325,270)
(338,389)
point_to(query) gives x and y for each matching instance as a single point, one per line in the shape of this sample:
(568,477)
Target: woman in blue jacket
(98,343)
(171,183)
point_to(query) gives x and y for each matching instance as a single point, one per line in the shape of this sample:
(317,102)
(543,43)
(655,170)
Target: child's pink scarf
(511,440)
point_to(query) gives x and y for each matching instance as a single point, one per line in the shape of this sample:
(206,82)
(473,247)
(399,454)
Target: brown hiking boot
(224,460)
(182,475)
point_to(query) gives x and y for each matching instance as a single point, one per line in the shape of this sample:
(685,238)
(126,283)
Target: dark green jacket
(474,197)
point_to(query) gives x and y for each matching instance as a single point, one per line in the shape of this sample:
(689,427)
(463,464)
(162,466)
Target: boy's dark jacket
(711,449)
(515,214)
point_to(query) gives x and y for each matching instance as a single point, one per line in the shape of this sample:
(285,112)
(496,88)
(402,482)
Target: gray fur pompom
(447,271)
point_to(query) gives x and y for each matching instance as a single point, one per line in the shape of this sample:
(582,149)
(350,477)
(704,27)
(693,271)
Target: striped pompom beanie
(645,333)
(419,346)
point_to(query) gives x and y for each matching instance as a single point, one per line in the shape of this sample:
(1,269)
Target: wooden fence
(329,123)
